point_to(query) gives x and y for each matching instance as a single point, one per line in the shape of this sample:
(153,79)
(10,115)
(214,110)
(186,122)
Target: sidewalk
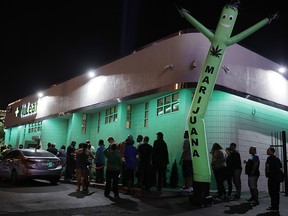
(166,192)
(218,208)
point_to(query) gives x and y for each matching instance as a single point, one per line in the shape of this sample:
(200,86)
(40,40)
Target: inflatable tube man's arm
(196,24)
(251,30)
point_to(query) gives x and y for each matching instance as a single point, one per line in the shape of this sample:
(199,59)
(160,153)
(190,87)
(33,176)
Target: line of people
(226,166)
(145,162)
(273,166)
(148,163)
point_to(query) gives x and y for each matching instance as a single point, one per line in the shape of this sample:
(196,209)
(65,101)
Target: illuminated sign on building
(26,110)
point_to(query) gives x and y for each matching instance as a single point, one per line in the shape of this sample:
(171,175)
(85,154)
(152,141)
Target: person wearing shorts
(186,163)
(253,176)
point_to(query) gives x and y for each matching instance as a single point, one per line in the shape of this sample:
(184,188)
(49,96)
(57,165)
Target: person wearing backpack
(273,166)
(253,172)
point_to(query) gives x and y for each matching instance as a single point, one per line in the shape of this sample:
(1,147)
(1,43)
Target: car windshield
(38,154)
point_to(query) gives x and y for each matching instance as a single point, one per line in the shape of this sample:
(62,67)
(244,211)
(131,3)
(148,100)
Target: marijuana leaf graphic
(215,51)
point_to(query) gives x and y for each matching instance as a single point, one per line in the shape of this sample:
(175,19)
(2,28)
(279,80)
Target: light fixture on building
(282,70)
(40,94)
(225,68)
(91,73)
(169,66)
(193,64)
(253,111)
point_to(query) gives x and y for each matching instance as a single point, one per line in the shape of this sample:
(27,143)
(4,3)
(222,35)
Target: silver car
(20,164)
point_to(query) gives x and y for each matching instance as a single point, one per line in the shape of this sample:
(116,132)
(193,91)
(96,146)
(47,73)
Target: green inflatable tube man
(196,124)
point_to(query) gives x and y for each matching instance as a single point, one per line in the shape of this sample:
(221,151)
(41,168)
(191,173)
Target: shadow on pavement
(242,208)
(126,204)
(80,195)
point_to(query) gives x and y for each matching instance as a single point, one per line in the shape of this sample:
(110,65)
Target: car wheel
(14,177)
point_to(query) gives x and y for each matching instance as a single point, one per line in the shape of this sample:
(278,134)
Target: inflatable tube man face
(226,22)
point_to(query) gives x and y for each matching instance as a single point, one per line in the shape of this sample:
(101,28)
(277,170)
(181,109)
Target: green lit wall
(247,123)
(229,119)
(55,131)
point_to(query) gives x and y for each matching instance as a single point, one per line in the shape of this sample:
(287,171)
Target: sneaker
(188,190)
(184,188)
(269,208)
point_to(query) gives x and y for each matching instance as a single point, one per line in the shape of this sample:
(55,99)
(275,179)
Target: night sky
(48,42)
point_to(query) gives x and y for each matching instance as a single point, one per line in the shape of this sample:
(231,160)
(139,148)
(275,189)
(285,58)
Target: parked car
(21,164)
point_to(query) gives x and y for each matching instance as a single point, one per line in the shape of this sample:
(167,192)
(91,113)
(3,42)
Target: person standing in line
(83,162)
(144,164)
(6,149)
(70,162)
(160,159)
(253,175)
(91,148)
(111,141)
(113,169)
(62,155)
(229,172)
(186,164)
(139,141)
(235,169)
(53,149)
(10,148)
(219,167)
(49,146)
(100,161)
(130,156)
(272,170)
(120,149)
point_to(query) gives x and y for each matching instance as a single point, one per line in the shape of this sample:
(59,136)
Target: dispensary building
(151,91)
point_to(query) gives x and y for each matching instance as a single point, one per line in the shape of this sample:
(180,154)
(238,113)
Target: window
(146,110)
(168,104)
(111,114)
(84,123)
(98,122)
(129,115)
(35,127)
